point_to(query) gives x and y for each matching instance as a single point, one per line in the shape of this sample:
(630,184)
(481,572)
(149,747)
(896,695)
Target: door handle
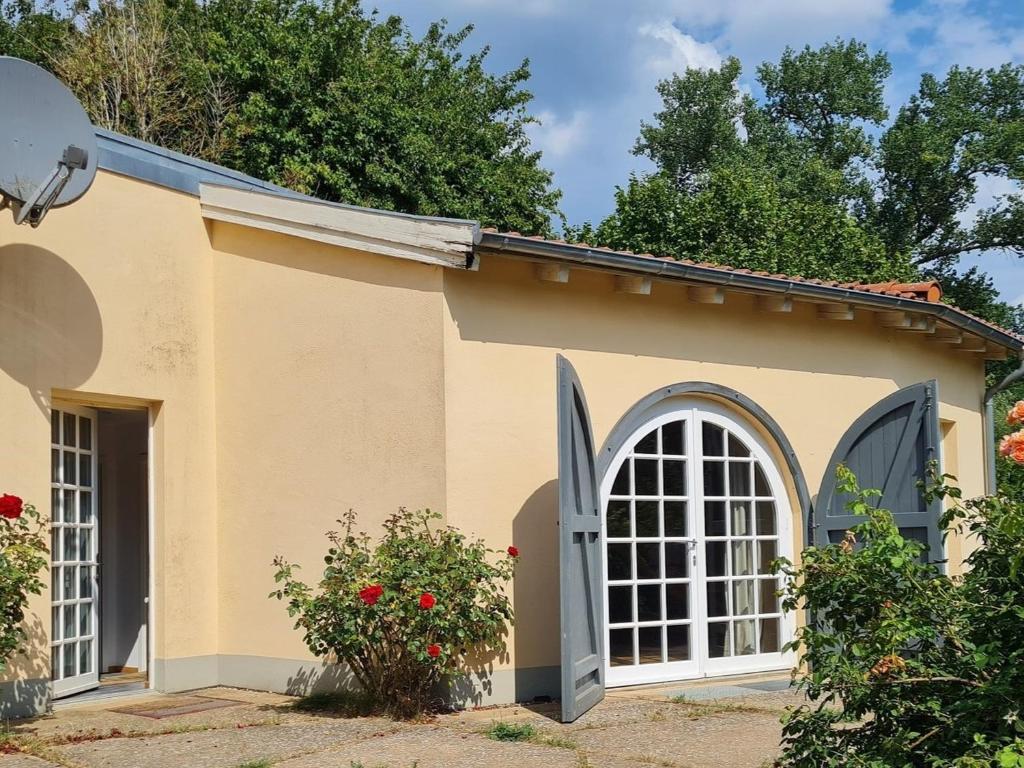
(692,542)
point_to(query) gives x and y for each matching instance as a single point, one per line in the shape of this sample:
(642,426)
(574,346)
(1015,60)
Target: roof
(138,159)
(148,162)
(915,299)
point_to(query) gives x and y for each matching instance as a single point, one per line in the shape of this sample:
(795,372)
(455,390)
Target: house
(200,371)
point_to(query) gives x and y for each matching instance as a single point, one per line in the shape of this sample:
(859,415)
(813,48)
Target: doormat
(179,705)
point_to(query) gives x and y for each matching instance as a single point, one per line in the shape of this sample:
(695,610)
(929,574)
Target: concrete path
(718,726)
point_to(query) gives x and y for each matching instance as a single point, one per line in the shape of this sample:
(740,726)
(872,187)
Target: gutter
(525,247)
(990,426)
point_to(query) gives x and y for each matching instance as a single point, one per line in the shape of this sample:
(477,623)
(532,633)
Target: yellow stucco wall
(504,328)
(291,380)
(113,295)
(329,397)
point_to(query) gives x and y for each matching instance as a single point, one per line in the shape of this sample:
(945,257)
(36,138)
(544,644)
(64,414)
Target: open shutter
(580,550)
(888,448)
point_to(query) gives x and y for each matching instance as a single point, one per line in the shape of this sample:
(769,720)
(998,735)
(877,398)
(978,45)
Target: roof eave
(439,242)
(693,273)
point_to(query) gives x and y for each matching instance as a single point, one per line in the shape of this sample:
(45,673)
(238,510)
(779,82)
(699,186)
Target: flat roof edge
(141,160)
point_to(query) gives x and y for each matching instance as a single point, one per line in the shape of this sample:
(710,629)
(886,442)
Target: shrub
(905,665)
(23,556)
(404,613)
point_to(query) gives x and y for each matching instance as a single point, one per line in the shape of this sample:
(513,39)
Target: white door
(74,646)
(695,511)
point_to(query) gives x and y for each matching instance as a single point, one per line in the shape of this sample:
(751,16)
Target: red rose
(433,650)
(10,506)
(427,601)
(371,594)
(513,552)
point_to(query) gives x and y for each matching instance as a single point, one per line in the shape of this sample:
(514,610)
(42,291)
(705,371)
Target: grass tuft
(717,706)
(261,763)
(511,732)
(550,740)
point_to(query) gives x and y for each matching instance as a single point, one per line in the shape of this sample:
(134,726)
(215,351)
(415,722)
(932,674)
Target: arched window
(694,514)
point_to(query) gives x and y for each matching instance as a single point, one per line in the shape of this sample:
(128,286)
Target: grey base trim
(291,676)
(24,698)
(505,686)
(185,674)
(300,677)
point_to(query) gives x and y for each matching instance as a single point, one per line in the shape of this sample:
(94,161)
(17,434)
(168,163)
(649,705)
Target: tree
(317,96)
(137,73)
(810,179)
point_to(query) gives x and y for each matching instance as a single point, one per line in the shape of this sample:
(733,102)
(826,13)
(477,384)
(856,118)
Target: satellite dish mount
(34,208)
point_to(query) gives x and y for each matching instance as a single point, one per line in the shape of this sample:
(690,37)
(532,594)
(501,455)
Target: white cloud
(557,137)
(757,31)
(953,32)
(677,51)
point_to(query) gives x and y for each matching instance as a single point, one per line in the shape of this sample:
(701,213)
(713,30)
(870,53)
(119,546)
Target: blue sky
(595,64)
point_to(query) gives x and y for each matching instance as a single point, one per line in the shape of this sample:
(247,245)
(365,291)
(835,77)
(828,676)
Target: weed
(511,732)
(716,707)
(549,740)
(261,763)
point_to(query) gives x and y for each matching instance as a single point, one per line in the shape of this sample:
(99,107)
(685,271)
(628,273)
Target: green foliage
(320,97)
(951,134)
(697,126)
(743,217)
(811,180)
(23,557)
(904,665)
(511,732)
(371,609)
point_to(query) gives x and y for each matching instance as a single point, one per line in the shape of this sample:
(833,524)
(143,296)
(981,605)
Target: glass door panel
(649,552)
(74,521)
(740,541)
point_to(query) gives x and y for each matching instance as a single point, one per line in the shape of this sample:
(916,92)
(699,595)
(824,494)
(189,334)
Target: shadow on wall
(52,330)
(326,678)
(536,635)
(29,694)
(511,307)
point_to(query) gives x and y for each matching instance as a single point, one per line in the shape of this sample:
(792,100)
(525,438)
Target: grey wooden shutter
(888,448)
(580,551)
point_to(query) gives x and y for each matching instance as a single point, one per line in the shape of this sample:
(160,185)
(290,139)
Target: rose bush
(23,557)
(406,612)
(905,665)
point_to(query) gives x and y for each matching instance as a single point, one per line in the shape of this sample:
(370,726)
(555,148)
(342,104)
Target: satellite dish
(47,143)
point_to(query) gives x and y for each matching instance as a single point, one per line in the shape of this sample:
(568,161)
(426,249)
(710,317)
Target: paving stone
(629,729)
(24,761)
(98,719)
(438,747)
(225,748)
(710,740)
